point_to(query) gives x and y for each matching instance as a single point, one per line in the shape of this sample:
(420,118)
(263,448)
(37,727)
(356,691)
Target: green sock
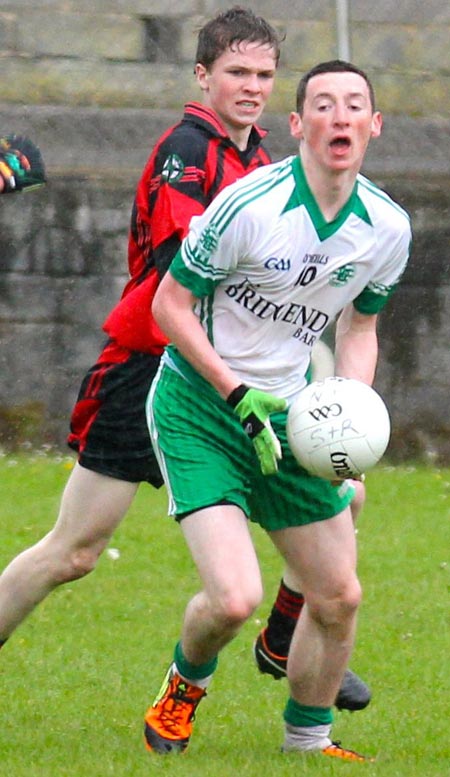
(193,671)
(301,715)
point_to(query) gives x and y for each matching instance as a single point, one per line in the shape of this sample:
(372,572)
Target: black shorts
(108,426)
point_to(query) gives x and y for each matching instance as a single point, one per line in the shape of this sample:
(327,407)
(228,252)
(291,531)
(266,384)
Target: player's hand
(254,408)
(21,164)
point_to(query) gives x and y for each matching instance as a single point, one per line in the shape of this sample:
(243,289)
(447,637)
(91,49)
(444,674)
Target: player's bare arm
(173,311)
(356,345)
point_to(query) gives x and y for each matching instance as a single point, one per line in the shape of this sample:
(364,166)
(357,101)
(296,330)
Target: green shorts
(206,458)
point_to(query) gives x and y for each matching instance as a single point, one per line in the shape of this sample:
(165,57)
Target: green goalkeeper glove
(21,164)
(254,408)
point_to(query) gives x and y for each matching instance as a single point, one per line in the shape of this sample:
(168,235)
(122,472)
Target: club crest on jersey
(207,242)
(342,275)
(173,169)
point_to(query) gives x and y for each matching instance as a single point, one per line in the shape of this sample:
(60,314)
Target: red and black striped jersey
(190,164)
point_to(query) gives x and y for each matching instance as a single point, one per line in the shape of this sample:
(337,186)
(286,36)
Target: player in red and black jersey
(216,142)
(189,165)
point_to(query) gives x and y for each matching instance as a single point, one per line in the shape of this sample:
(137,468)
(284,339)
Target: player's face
(238,84)
(337,121)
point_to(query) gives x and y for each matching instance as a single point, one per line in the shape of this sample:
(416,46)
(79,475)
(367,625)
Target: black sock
(283,618)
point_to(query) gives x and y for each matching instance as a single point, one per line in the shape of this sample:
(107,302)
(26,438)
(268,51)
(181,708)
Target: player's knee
(350,598)
(76,564)
(339,606)
(83,561)
(235,607)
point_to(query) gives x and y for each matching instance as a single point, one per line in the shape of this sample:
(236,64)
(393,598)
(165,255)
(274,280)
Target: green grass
(77,676)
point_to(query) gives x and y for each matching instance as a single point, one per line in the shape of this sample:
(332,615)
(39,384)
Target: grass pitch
(77,676)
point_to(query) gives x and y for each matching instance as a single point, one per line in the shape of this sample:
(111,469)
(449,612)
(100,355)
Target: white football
(338,428)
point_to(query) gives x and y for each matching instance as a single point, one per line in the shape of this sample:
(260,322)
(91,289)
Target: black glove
(21,164)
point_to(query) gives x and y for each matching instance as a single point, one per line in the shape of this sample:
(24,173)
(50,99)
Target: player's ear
(377,124)
(201,74)
(296,125)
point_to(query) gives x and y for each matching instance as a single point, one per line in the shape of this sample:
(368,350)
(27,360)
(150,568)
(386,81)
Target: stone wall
(140,54)
(63,265)
(95,82)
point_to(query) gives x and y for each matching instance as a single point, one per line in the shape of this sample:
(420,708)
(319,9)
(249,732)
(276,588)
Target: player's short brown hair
(231,28)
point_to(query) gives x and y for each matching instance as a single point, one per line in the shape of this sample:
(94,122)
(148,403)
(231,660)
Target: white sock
(199,683)
(307,737)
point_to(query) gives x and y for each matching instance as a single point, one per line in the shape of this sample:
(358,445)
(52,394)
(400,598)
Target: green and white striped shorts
(206,458)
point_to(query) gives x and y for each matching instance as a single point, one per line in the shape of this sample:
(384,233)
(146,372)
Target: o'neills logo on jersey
(315,259)
(309,322)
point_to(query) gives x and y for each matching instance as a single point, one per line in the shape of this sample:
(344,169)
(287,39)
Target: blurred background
(95,82)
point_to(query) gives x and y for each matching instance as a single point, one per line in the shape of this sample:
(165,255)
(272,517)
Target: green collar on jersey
(302,195)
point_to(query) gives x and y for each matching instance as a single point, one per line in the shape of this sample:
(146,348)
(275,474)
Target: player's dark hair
(231,28)
(334,66)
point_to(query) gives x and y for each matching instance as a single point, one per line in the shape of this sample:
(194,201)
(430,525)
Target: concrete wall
(96,81)
(63,264)
(140,54)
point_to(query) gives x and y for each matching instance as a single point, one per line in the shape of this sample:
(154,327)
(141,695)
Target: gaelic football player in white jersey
(272,261)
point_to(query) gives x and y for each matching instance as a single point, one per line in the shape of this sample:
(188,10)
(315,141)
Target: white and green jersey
(270,273)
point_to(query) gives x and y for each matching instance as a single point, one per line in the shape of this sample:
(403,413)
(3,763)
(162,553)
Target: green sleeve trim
(199,286)
(373,298)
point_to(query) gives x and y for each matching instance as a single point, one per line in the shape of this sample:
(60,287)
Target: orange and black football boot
(168,722)
(336,751)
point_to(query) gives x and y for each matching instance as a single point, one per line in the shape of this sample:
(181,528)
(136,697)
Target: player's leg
(323,554)
(276,636)
(91,507)
(272,644)
(222,549)
(109,432)
(208,463)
